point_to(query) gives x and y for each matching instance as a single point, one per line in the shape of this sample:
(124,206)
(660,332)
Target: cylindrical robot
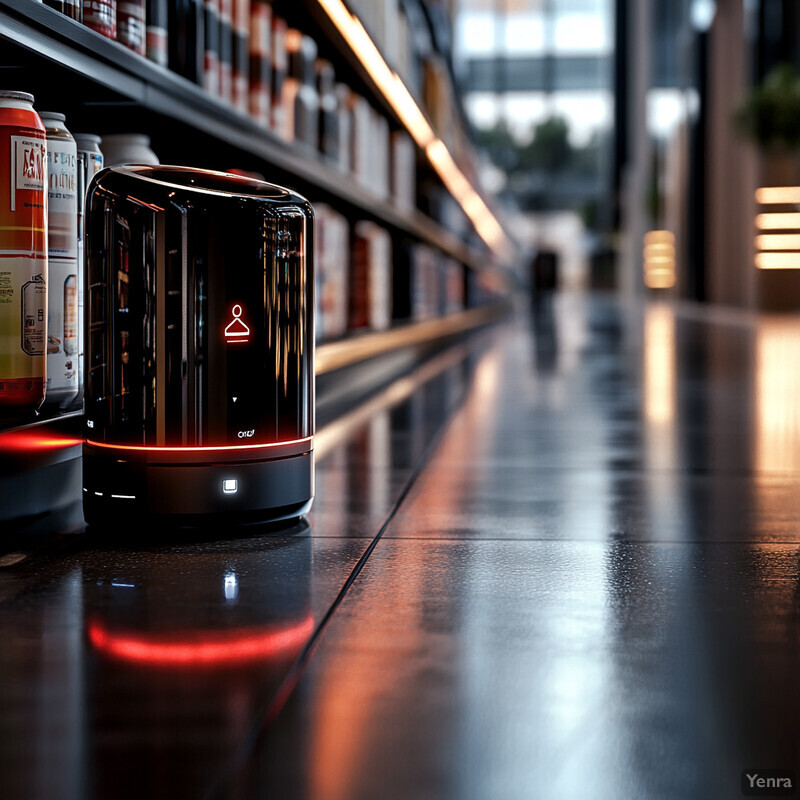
(200,348)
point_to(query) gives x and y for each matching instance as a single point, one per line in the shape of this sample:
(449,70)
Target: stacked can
(131,26)
(23,254)
(211,48)
(156,32)
(90,162)
(101,16)
(226,50)
(260,61)
(62,262)
(72,8)
(241,55)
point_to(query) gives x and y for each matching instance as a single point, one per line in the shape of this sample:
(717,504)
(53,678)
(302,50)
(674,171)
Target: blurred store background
(640,139)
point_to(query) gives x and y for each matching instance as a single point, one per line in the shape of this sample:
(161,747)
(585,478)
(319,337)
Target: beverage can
(241,55)
(72,8)
(101,16)
(211,52)
(226,50)
(131,28)
(90,162)
(62,262)
(260,61)
(23,254)
(156,32)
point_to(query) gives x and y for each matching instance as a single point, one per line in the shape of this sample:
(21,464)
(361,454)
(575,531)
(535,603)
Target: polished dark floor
(561,560)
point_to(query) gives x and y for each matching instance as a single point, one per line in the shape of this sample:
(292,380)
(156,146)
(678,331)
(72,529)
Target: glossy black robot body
(200,347)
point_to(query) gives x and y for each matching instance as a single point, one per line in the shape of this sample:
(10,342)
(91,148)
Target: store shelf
(329,357)
(51,41)
(104,87)
(359,348)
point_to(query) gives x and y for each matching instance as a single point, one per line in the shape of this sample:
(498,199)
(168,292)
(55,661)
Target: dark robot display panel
(200,395)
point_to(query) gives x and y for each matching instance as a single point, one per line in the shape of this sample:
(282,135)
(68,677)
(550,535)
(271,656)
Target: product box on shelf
(101,16)
(226,50)
(344,115)
(379,154)
(381,21)
(442,207)
(260,61)
(241,55)
(211,47)
(299,98)
(186,40)
(156,33)
(452,291)
(404,66)
(403,170)
(280,68)
(131,25)
(328,111)
(425,283)
(71,8)
(360,142)
(371,277)
(331,263)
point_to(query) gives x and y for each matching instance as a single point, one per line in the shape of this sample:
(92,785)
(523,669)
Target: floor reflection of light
(231,586)
(659,364)
(777,434)
(35,441)
(363,680)
(487,374)
(198,648)
(660,400)
(339,430)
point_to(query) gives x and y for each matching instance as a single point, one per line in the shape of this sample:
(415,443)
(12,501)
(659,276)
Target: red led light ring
(165,449)
(200,650)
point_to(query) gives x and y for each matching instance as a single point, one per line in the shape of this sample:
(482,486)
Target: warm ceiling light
(659,259)
(776,195)
(415,122)
(659,237)
(778,260)
(777,221)
(778,241)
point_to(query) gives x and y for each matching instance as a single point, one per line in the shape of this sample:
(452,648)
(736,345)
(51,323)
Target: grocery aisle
(554,561)
(590,590)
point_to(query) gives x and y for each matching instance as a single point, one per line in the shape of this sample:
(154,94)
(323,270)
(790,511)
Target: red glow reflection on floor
(35,442)
(197,650)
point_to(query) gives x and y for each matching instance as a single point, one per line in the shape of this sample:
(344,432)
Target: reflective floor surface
(560,560)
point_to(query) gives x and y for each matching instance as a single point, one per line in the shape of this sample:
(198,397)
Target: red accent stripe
(210,650)
(26,442)
(198,449)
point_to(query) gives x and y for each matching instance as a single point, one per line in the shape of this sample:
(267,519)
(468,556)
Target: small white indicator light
(230,486)
(124,496)
(231,586)
(90,423)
